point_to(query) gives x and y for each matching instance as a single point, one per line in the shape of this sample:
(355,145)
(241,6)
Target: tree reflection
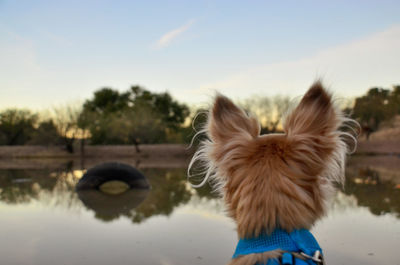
(108,207)
(50,187)
(169,190)
(371,186)
(367,186)
(208,191)
(21,186)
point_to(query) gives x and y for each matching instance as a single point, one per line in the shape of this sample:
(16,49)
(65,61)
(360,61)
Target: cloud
(350,69)
(168,37)
(55,38)
(19,65)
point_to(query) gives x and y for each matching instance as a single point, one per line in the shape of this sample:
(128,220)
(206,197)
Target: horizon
(57,53)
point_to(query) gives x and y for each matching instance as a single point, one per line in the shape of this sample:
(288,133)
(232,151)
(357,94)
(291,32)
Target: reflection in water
(380,198)
(14,191)
(171,209)
(169,190)
(108,207)
(375,188)
(370,186)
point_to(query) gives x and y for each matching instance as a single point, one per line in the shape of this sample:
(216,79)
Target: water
(44,221)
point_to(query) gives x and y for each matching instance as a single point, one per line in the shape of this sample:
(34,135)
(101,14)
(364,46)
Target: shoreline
(53,157)
(150,156)
(91,151)
(378,147)
(159,151)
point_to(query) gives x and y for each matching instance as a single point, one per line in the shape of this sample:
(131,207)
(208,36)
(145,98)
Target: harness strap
(291,259)
(299,246)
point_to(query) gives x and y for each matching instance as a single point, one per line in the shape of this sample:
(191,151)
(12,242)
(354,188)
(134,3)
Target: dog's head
(275,180)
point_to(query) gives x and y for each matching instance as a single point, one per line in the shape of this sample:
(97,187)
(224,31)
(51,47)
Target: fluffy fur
(275,179)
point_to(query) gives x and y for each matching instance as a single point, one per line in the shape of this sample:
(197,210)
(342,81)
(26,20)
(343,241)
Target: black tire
(102,173)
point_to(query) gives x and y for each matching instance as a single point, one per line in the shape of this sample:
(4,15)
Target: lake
(45,221)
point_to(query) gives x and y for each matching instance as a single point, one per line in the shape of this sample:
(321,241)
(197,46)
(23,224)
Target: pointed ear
(227,121)
(312,129)
(315,114)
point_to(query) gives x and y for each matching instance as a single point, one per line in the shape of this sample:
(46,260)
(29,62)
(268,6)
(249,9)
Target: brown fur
(276,179)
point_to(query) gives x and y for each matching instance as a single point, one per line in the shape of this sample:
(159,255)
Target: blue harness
(299,241)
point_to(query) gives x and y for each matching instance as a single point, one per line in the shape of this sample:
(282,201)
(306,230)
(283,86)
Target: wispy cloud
(168,37)
(55,38)
(352,67)
(18,59)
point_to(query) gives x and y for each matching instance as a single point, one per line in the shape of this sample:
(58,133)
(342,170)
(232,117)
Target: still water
(45,221)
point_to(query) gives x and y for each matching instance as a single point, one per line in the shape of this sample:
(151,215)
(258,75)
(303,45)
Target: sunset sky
(55,52)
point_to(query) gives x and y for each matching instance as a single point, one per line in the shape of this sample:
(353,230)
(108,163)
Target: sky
(58,52)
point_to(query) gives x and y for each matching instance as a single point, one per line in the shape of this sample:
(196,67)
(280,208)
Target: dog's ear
(314,115)
(312,129)
(227,121)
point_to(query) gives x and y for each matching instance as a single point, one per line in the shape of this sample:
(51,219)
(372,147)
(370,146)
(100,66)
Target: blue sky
(55,52)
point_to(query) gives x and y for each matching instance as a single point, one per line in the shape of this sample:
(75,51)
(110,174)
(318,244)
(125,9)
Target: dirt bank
(165,152)
(378,147)
(150,156)
(384,141)
(146,151)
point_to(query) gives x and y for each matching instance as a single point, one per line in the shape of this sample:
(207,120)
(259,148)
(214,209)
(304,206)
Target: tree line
(377,106)
(138,116)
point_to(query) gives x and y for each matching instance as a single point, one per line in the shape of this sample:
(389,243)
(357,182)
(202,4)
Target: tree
(107,100)
(269,111)
(66,120)
(132,117)
(372,109)
(394,100)
(16,126)
(45,134)
(172,113)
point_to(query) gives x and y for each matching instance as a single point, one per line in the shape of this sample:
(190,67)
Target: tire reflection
(108,207)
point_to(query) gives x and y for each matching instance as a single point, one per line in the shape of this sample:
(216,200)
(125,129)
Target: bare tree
(269,111)
(281,106)
(66,120)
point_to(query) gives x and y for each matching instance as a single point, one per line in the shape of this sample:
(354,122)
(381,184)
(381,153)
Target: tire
(102,173)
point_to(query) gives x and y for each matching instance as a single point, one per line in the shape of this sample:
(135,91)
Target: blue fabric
(303,262)
(287,258)
(300,240)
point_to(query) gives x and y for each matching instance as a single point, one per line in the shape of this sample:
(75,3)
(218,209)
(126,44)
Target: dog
(276,186)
